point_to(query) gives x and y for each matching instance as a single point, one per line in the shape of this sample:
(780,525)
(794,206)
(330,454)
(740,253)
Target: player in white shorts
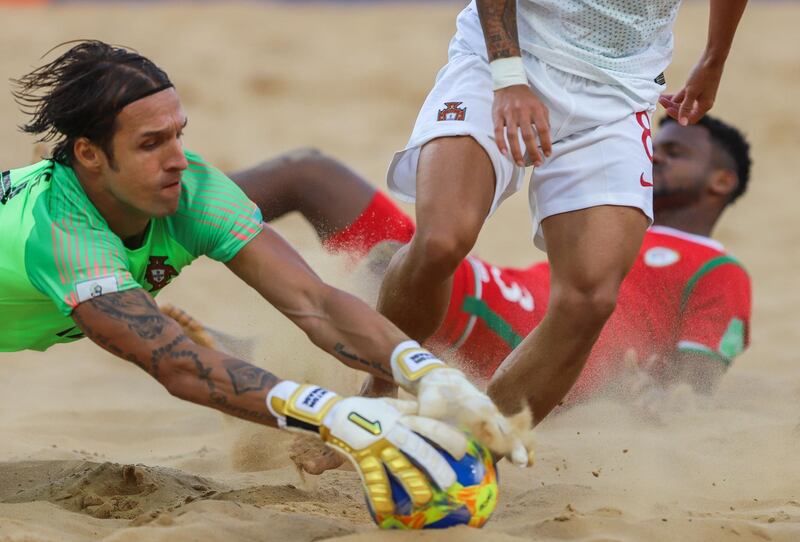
(573,83)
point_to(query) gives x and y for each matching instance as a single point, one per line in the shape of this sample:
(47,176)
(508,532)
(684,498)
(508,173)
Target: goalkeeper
(92,235)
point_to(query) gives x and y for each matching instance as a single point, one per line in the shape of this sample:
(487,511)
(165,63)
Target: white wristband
(410,362)
(306,405)
(282,391)
(507,72)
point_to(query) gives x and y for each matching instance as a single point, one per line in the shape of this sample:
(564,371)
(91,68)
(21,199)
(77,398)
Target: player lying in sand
(684,309)
(91,235)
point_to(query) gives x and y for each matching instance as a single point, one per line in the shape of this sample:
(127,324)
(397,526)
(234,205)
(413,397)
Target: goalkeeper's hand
(372,433)
(446,394)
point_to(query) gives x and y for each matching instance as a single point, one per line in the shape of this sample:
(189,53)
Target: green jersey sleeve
(71,255)
(215,218)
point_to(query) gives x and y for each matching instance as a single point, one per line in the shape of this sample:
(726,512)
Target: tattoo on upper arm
(340,349)
(135,308)
(499,22)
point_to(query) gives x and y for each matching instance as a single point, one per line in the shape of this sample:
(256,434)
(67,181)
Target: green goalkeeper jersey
(57,251)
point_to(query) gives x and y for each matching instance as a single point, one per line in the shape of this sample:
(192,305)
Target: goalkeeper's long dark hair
(80,93)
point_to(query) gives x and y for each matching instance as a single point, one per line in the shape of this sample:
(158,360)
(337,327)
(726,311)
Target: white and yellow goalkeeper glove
(376,435)
(445,393)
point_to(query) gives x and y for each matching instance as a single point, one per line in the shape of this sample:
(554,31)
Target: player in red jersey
(683,310)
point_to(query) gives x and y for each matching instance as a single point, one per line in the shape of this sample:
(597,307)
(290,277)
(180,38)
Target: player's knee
(440,253)
(311,168)
(295,163)
(587,307)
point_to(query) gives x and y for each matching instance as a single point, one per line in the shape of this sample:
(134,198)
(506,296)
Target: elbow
(173,377)
(313,314)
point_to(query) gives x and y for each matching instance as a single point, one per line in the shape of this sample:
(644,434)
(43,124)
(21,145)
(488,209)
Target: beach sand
(91,448)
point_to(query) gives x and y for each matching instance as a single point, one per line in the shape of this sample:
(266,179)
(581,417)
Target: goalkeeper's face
(144,171)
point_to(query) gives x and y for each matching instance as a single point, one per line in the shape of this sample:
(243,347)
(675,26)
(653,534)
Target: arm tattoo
(168,350)
(246,377)
(221,402)
(340,349)
(499,23)
(135,308)
(129,325)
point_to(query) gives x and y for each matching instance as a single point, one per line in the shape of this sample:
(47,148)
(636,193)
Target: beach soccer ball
(469,501)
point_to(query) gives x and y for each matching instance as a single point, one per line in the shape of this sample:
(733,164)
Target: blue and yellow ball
(469,501)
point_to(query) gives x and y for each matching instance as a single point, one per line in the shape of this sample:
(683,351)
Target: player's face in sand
(148,155)
(682,165)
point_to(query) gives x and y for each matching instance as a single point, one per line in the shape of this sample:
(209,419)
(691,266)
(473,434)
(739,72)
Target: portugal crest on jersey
(451,111)
(159,272)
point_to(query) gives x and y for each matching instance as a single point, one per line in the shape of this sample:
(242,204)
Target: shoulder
(16,181)
(212,186)
(214,216)
(210,195)
(719,278)
(694,253)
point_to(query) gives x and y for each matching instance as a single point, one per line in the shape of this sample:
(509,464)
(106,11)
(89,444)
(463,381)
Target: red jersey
(683,293)
(491,310)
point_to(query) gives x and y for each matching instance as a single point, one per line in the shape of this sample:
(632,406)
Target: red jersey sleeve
(716,307)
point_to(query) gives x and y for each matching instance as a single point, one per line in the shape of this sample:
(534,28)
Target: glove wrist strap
(301,406)
(410,362)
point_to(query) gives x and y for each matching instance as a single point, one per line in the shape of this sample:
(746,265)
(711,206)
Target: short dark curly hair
(733,143)
(80,93)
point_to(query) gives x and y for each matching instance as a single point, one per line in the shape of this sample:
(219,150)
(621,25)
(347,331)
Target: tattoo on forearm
(167,350)
(246,377)
(136,310)
(499,23)
(221,401)
(340,349)
(106,342)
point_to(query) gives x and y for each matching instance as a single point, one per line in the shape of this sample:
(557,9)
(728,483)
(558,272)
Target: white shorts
(602,147)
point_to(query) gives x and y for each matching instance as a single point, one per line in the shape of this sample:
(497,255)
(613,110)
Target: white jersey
(622,42)
(621,39)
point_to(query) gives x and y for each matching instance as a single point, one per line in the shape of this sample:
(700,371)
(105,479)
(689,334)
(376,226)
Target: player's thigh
(451,163)
(609,165)
(272,184)
(594,200)
(591,250)
(455,186)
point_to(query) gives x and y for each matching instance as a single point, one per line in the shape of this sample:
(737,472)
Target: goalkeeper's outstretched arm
(130,325)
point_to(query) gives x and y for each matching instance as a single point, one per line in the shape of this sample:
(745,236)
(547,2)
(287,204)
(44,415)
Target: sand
(91,448)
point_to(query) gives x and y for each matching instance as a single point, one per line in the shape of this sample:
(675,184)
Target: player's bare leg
(311,183)
(590,252)
(455,188)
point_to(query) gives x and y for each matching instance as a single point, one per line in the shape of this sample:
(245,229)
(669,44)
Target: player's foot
(191,327)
